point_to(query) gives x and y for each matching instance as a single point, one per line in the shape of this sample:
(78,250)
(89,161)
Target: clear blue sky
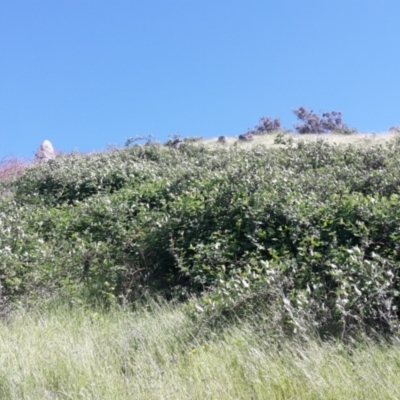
(90,73)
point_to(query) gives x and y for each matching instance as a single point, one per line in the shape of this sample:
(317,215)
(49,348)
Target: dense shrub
(310,231)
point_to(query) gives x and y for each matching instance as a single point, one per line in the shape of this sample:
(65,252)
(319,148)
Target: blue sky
(86,74)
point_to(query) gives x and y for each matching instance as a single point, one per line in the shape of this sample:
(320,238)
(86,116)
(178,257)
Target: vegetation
(329,122)
(311,123)
(300,233)
(266,125)
(11,168)
(158,353)
(242,271)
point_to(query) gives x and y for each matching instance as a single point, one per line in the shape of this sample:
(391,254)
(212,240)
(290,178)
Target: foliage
(312,123)
(10,169)
(193,139)
(281,138)
(148,140)
(304,232)
(266,125)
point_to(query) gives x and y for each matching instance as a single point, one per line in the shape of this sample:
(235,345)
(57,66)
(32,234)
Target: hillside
(295,227)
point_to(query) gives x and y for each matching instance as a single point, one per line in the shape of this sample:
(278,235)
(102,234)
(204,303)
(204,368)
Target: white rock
(45,152)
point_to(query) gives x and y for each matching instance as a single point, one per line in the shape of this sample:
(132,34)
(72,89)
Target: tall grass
(156,353)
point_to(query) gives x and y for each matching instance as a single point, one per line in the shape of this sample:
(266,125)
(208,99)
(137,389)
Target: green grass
(155,353)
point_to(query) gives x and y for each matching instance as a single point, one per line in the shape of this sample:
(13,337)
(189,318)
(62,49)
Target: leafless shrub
(11,168)
(313,123)
(266,125)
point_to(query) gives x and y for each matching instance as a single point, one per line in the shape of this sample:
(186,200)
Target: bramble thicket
(297,232)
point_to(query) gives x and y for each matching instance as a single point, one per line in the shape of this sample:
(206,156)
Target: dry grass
(357,139)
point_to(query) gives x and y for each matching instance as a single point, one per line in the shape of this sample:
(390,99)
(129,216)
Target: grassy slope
(83,354)
(358,139)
